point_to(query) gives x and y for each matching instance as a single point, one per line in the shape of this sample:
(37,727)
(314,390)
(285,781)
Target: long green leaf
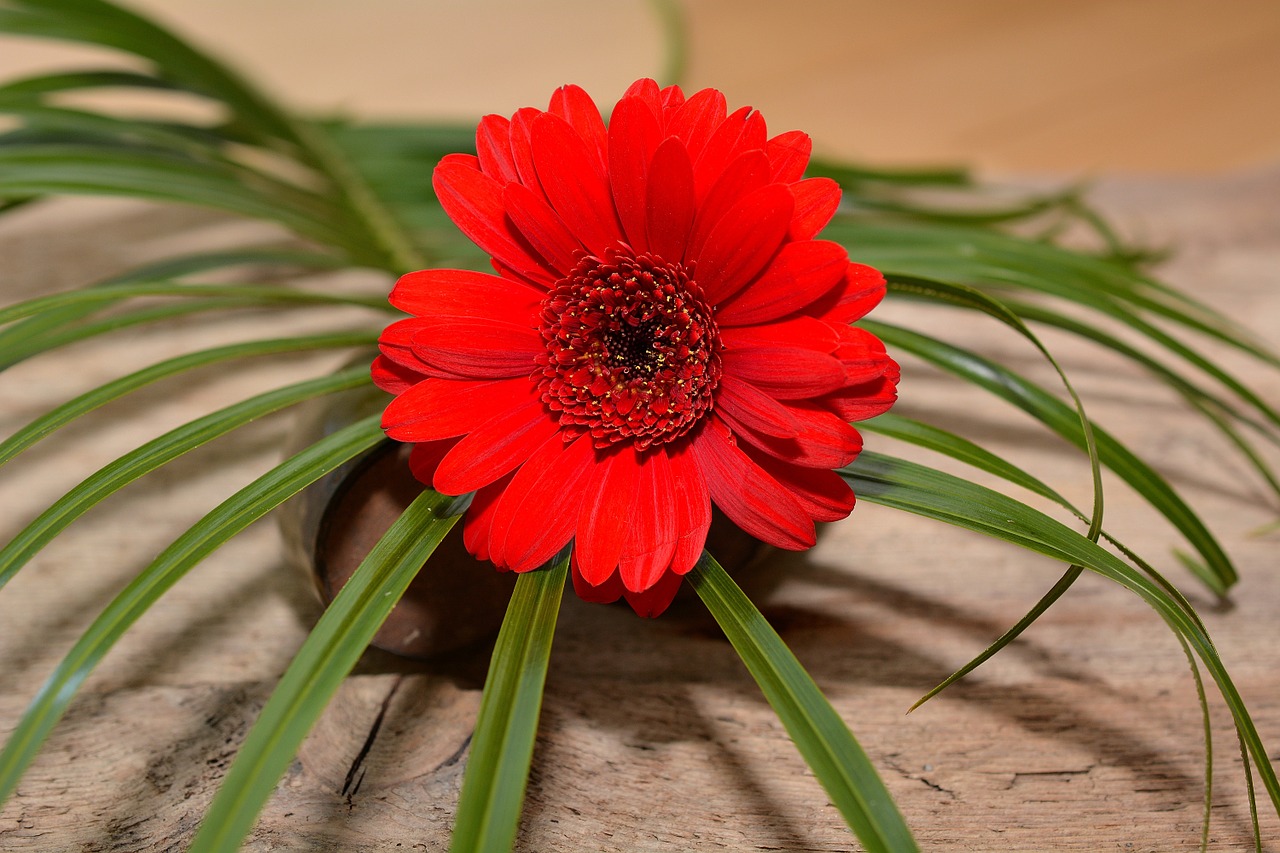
(92,128)
(211,532)
(17,337)
(156,453)
(108,25)
(67,333)
(986,258)
(60,416)
(942,441)
(502,746)
(1060,417)
(332,648)
(839,763)
(933,494)
(108,293)
(51,169)
(66,81)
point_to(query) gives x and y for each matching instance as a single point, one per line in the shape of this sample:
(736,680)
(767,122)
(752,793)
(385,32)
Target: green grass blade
(108,25)
(60,416)
(933,494)
(105,294)
(332,648)
(71,332)
(52,169)
(66,81)
(68,125)
(156,453)
(1061,418)
(822,737)
(211,532)
(948,443)
(18,335)
(502,746)
(991,259)
(1218,411)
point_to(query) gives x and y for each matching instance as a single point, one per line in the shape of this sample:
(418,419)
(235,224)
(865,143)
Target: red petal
(861,353)
(540,225)
(473,201)
(748,405)
(750,497)
(575,106)
(445,408)
(493,147)
(824,495)
(690,506)
(742,131)
(862,290)
(654,601)
(538,511)
(651,535)
(424,458)
(824,440)
(746,174)
(817,200)
(477,349)
(798,274)
(396,345)
(392,377)
(696,119)
(743,242)
(670,200)
(494,448)
(787,373)
(478,523)
(605,514)
(463,293)
(789,155)
(634,135)
(575,183)
(859,402)
(646,90)
(803,331)
(608,591)
(522,147)
(672,99)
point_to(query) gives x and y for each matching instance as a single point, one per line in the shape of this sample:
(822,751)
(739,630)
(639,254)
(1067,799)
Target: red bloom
(663,332)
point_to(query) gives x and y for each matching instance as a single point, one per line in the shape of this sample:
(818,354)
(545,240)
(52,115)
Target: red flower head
(663,332)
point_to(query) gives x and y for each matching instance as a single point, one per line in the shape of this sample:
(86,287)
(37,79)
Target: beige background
(1085,736)
(1089,86)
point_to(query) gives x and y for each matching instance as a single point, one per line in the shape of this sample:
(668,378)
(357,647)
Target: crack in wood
(348,790)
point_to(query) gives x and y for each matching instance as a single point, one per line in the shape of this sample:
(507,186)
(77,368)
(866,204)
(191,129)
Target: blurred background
(1008,86)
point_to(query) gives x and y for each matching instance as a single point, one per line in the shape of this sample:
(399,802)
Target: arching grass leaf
(158,452)
(933,494)
(216,528)
(1060,418)
(502,746)
(60,416)
(332,648)
(837,760)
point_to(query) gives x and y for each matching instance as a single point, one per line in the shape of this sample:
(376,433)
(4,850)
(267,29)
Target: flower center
(633,351)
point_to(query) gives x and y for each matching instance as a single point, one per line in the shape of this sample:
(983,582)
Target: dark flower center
(633,351)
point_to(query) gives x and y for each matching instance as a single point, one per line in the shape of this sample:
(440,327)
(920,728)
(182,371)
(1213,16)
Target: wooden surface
(1083,736)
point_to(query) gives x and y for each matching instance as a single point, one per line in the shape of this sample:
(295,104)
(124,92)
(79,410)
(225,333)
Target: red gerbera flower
(663,333)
